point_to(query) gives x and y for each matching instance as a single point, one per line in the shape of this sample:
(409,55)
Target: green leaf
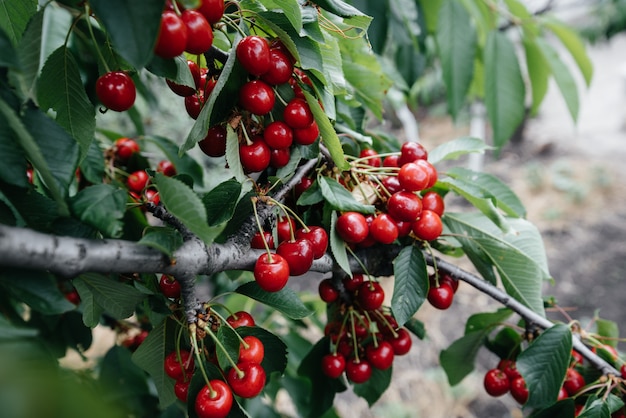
(9,56)
(92,166)
(285,300)
(232,154)
(122,378)
(30,51)
(14,16)
(339,8)
(561,409)
(290,8)
(410,283)
(574,45)
(311,196)
(36,289)
(456,148)
(117,299)
(275,360)
(13,167)
(134,41)
(504,87)
(165,239)
(456,39)
(538,72)
(150,355)
(544,363)
(8,331)
(518,256)
(430,9)
(60,88)
(595,408)
(339,198)
(417,327)
(338,246)
(375,386)
(484,321)
(101,206)
(220,202)
(608,332)
(91,310)
(186,206)
(228,338)
(184,164)
(563,77)
(458,359)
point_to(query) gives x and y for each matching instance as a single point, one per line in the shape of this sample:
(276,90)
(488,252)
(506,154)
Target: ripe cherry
(181,389)
(194,104)
(434,202)
(72,296)
(577,358)
(381,356)
(372,157)
(253,52)
(137,181)
(199,32)
(297,114)
(574,381)
(251,381)
(411,152)
(328,291)
(432,172)
(254,353)
(280,69)
(240,319)
(183,90)
(384,229)
(214,143)
(212,10)
(333,365)
(562,394)
(169,286)
(302,186)
(509,367)
(307,135)
(351,284)
(255,157)
(401,343)
(404,206)
(284,226)
(167,168)
(371,295)
(172,38)
(178,369)
(391,161)
(257,240)
(257,97)
(215,402)
(392,184)
(318,238)
(519,391)
(279,157)
(125,148)
(413,177)
(278,135)
(496,382)
(116,90)
(271,272)
(298,253)
(352,227)
(441,297)
(358,371)
(428,227)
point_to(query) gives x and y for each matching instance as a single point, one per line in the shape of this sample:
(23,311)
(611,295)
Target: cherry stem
(260,227)
(386,322)
(245,135)
(354,340)
(196,351)
(288,211)
(369,321)
(93,38)
(360,263)
(219,344)
(225,322)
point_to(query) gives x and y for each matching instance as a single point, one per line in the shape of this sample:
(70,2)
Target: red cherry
(170,287)
(441,297)
(574,381)
(434,202)
(302,186)
(519,391)
(333,365)
(125,148)
(410,152)
(172,38)
(167,168)
(432,172)
(496,382)
(278,135)
(372,157)
(392,184)
(578,358)
(428,227)
(212,10)
(199,32)
(72,296)
(257,97)
(280,69)
(318,238)
(214,143)
(194,104)
(404,228)
(178,369)
(381,356)
(391,161)
(152,196)
(240,319)
(622,371)
(451,281)
(181,390)
(116,90)
(298,254)
(401,343)
(384,229)
(327,290)
(278,45)
(404,206)
(215,403)
(351,284)
(371,295)
(250,383)
(509,367)
(413,177)
(352,227)
(358,371)
(271,274)
(137,181)
(253,52)
(284,226)
(306,135)
(257,240)
(297,114)
(256,156)
(562,394)
(280,157)
(255,351)
(183,90)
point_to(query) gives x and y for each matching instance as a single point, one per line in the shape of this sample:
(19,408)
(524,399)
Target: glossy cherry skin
(371,295)
(392,184)
(172,38)
(116,90)
(404,206)
(384,229)
(251,383)
(297,114)
(253,52)
(167,168)
(194,104)
(178,369)
(432,172)
(318,238)
(307,135)
(257,240)
(401,343)
(496,382)
(255,351)
(327,291)
(257,97)
(441,296)
(271,274)
(278,135)
(169,286)
(216,406)
(72,296)
(240,319)
(351,284)
(358,371)
(333,365)
(428,227)
(137,181)
(434,202)
(125,148)
(381,356)
(574,381)
(279,157)
(298,254)
(280,68)
(284,226)
(518,389)
(214,143)
(391,161)
(256,156)
(509,368)
(181,390)
(372,157)
(411,152)
(212,10)
(199,32)
(413,177)
(352,227)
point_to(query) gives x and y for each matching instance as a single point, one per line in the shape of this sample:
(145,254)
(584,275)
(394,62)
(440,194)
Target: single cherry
(278,135)
(212,10)
(240,319)
(413,177)
(214,143)
(215,402)
(434,202)
(496,382)
(297,114)
(169,286)
(172,38)
(306,135)
(411,152)
(167,168)
(253,52)
(519,391)
(271,272)
(333,365)
(137,181)
(255,352)
(384,229)
(381,356)
(181,389)
(441,296)
(177,368)
(280,69)
(250,382)
(257,240)
(428,227)
(371,295)
(255,157)
(298,253)
(318,238)
(401,343)
(328,291)
(257,97)
(199,32)
(116,90)
(358,371)
(125,148)
(352,227)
